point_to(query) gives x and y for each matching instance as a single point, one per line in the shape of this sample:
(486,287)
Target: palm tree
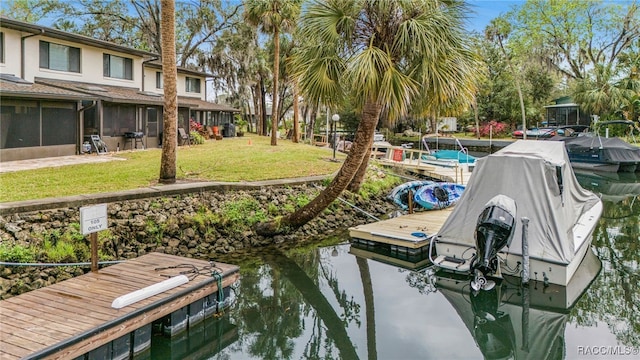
(273,16)
(379,55)
(170,75)
(612,92)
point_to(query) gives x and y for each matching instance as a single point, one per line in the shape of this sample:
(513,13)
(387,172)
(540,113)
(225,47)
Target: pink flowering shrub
(499,128)
(194,126)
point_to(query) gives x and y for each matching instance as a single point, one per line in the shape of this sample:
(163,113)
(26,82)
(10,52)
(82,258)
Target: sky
(483,11)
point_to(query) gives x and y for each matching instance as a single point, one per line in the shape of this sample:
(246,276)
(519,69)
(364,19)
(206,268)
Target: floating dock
(409,261)
(410,160)
(411,231)
(74,318)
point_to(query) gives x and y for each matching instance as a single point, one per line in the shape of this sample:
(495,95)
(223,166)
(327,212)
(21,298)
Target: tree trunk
(263,107)
(296,113)
(516,77)
(250,117)
(361,146)
(475,115)
(312,123)
(276,74)
(358,178)
(369,309)
(255,90)
(170,113)
(317,300)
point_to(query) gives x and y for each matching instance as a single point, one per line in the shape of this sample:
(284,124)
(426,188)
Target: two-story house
(58,88)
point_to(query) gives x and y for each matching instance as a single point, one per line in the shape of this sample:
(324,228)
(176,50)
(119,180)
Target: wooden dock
(69,319)
(410,160)
(411,231)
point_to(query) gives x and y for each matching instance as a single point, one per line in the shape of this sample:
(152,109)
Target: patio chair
(183,137)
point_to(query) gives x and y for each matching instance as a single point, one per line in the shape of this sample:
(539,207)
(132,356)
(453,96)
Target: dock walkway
(411,231)
(70,318)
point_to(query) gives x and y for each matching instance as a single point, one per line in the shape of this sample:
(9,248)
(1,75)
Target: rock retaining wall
(200,225)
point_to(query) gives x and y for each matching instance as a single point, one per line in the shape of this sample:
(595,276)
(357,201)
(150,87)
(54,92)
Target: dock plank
(31,309)
(26,316)
(398,231)
(75,316)
(61,307)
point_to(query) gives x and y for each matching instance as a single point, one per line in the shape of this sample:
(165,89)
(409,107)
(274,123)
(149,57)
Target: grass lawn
(227,160)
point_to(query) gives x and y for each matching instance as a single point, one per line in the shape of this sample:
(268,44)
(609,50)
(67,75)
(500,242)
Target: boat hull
(539,269)
(602,154)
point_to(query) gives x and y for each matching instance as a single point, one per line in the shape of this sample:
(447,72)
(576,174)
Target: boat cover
(527,172)
(615,150)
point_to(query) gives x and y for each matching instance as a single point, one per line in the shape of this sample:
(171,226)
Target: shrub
(198,139)
(499,128)
(242,214)
(69,246)
(17,253)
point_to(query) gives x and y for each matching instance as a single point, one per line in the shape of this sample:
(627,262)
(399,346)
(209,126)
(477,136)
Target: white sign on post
(93,218)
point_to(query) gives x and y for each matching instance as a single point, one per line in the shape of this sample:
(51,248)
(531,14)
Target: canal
(335,302)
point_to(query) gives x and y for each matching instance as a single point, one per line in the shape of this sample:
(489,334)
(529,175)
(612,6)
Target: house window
(1,47)
(158,80)
(117,67)
(59,57)
(192,85)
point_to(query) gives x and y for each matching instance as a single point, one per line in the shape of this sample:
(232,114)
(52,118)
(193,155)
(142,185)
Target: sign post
(92,220)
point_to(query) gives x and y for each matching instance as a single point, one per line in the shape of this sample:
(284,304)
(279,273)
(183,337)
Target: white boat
(524,194)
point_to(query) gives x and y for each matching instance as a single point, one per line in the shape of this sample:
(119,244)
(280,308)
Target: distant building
(565,112)
(58,88)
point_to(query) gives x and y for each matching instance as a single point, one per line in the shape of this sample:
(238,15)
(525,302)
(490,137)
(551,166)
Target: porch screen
(19,124)
(119,119)
(59,125)
(152,121)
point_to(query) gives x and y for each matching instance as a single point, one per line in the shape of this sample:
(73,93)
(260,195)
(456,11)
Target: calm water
(328,303)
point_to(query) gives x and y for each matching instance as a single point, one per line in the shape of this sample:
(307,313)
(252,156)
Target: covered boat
(526,191)
(601,154)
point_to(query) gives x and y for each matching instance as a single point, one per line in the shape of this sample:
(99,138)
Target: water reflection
(513,321)
(347,302)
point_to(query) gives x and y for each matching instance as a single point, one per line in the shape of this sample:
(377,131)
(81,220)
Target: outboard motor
(494,231)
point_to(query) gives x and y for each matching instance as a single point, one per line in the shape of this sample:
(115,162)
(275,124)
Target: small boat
(532,218)
(597,153)
(447,158)
(591,151)
(400,194)
(438,195)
